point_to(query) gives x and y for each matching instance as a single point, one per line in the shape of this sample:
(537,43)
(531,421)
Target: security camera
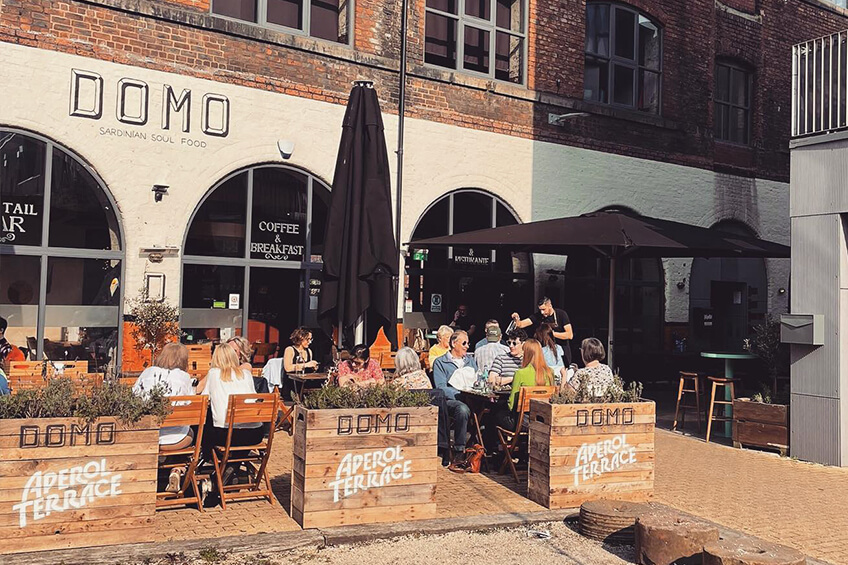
(286,148)
(159,190)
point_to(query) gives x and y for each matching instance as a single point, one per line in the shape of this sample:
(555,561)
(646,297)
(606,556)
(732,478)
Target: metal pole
(401,114)
(611,323)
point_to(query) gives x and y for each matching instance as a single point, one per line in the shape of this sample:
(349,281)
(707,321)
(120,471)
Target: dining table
(300,380)
(480,402)
(730,358)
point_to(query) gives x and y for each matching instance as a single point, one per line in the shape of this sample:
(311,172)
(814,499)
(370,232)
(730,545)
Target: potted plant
(154,324)
(78,465)
(583,447)
(363,455)
(763,419)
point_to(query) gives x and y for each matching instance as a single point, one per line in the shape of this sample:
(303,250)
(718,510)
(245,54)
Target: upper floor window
(732,100)
(325,19)
(623,58)
(464,34)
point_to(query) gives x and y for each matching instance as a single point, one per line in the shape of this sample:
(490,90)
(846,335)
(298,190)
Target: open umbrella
(614,235)
(360,252)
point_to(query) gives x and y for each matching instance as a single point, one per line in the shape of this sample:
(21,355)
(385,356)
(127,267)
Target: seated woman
(408,371)
(534,371)
(597,376)
(360,370)
(244,351)
(297,358)
(224,379)
(554,355)
(443,335)
(169,372)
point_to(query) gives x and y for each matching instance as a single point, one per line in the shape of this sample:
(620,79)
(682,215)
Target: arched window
(727,297)
(491,284)
(623,64)
(254,246)
(61,254)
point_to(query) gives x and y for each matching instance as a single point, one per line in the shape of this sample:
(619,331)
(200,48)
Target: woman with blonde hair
(225,378)
(443,335)
(244,351)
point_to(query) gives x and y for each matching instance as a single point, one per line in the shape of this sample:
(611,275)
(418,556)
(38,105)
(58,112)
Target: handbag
(474,457)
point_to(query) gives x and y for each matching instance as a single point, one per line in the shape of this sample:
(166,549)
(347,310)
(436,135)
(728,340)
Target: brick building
(140,139)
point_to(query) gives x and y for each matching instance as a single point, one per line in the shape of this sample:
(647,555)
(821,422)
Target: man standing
(491,348)
(462,321)
(556,317)
(443,368)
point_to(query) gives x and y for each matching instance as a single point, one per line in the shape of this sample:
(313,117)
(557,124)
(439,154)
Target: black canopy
(360,253)
(615,235)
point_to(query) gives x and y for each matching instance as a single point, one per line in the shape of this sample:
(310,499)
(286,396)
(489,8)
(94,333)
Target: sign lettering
(605,417)
(60,435)
(595,459)
(20,220)
(278,240)
(361,472)
(372,424)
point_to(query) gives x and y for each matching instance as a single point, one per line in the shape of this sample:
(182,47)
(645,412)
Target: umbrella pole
(611,323)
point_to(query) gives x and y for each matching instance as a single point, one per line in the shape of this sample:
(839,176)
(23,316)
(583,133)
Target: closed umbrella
(360,252)
(615,235)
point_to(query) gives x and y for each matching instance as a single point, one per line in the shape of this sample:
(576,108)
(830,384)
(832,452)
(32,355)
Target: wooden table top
(308,376)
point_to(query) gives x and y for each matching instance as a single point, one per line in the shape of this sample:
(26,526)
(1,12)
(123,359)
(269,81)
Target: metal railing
(819,78)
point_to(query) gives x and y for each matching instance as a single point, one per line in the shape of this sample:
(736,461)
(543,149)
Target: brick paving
(801,505)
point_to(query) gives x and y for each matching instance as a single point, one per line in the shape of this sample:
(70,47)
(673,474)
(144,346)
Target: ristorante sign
(185,117)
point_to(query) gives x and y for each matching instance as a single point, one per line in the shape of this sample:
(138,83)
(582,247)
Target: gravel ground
(514,546)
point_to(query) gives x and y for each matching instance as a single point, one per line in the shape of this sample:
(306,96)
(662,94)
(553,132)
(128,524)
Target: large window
(485,37)
(325,19)
(60,255)
(732,99)
(623,58)
(252,250)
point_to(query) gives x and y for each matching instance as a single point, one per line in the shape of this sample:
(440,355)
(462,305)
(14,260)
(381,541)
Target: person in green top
(534,371)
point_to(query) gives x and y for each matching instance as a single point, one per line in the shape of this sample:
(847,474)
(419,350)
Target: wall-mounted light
(781,290)
(558,119)
(159,190)
(286,148)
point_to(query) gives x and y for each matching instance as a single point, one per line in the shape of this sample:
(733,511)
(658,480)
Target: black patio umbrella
(614,235)
(360,252)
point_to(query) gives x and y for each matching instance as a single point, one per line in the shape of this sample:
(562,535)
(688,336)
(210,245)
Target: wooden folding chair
(510,439)
(245,409)
(185,411)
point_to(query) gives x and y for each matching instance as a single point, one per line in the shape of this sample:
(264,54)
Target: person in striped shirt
(505,365)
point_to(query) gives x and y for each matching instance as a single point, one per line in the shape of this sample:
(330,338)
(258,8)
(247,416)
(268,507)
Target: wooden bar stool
(681,399)
(727,385)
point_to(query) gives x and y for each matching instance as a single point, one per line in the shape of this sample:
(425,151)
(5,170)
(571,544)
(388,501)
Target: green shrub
(60,397)
(616,392)
(387,395)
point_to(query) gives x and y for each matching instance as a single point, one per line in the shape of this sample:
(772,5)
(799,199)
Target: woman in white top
(226,378)
(169,372)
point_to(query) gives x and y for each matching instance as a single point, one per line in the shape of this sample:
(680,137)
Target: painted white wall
(538,180)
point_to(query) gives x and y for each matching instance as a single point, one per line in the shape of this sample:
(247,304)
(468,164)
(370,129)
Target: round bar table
(729,357)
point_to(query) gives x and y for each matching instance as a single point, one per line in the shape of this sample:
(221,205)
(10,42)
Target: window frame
(748,109)
(612,59)
(462,19)
(45,252)
(262,21)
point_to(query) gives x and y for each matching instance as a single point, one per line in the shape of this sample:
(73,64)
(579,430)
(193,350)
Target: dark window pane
(449,6)
(21,189)
(649,44)
(476,56)
(19,283)
(206,292)
(625,25)
(595,80)
(472,211)
(434,223)
(720,122)
(722,92)
(478,9)
(622,81)
(218,227)
(240,9)
(739,87)
(278,232)
(739,125)
(440,41)
(80,213)
(509,57)
(510,15)
(649,91)
(597,29)
(329,20)
(320,208)
(83,282)
(287,13)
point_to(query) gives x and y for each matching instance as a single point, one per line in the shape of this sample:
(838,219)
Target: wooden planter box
(365,465)
(581,452)
(67,484)
(761,425)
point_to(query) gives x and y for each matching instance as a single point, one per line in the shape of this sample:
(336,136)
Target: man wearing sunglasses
(556,317)
(506,364)
(443,368)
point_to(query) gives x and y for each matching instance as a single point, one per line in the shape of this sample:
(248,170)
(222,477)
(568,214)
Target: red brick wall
(180,36)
